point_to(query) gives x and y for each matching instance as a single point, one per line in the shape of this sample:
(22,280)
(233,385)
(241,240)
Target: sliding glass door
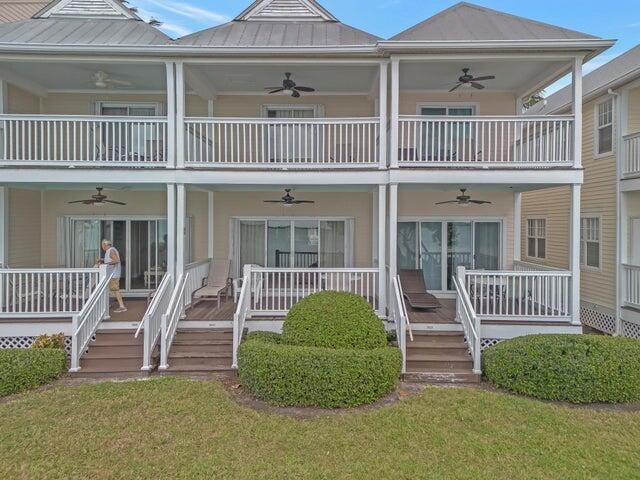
(424,244)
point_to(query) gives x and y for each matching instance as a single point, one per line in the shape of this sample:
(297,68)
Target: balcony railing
(631,295)
(278,143)
(486,141)
(631,161)
(82,140)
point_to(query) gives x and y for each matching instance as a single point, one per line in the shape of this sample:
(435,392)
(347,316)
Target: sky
(613,19)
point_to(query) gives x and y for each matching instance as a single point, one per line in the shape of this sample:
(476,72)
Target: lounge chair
(415,291)
(215,284)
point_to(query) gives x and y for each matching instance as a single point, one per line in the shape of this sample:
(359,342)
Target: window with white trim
(537,237)
(604,138)
(590,242)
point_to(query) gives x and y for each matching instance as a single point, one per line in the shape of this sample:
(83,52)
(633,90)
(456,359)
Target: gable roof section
(621,70)
(469,22)
(299,10)
(15,10)
(87,9)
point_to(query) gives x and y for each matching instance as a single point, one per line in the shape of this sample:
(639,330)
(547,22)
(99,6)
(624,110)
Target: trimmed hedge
(22,369)
(290,375)
(571,368)
(334,320)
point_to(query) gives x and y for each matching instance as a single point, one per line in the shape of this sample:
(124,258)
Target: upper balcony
(631,156)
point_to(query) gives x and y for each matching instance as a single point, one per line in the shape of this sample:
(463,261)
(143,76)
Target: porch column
(576,85)
(171,115)
(395,106)
(622,256)
(171,231)
(180,107)
(210,224)
(382,107)
(574,252)
(517,226)
(382,249)
(393,230)
(181,212)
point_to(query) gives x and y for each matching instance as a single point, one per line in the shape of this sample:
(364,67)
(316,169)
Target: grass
(177,428)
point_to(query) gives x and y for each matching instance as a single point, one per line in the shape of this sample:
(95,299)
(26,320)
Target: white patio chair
(215,284)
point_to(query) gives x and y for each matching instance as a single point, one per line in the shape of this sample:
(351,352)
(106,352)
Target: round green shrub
(290,375)
(22,369)
(571,368)
(334,320)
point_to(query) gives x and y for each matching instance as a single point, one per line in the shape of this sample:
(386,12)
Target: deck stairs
(201,352)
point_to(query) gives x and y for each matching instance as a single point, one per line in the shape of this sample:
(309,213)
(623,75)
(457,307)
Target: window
(537,237)
(605,127)
(590,242)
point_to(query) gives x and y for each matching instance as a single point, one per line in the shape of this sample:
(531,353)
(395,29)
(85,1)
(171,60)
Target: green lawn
(174,428)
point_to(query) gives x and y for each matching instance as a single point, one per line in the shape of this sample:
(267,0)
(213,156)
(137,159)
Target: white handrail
(485,141)
(272,143)
(42,292)
(241,313)
(520,266)
(175,312)
(400,317)
(86,323)
(151,322)
(466,315)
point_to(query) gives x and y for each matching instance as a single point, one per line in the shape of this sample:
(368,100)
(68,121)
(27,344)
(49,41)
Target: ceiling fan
(98,199)
(464,200)
(468,80)
(289,85)
(288,199)
(104,80)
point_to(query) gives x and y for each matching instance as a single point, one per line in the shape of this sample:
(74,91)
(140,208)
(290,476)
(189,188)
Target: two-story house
(290,153)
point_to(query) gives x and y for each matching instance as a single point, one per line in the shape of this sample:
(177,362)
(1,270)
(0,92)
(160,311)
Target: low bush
(21,369)
(49,341)
(334,320)
(291,375)
(571,368)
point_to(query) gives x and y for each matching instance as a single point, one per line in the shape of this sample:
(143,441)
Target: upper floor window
(604,134)
(590,242)
(537,237)
(448,110)
(128,109)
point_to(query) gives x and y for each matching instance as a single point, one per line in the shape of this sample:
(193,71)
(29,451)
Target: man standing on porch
(112,261)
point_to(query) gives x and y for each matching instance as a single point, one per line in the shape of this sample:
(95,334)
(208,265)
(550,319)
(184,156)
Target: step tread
(197,368)
(443,377)
(431,357)
(182,342)
(202,355)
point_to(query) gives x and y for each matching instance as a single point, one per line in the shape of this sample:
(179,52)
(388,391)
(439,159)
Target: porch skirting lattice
(27,341)
(598,317)
(631,330)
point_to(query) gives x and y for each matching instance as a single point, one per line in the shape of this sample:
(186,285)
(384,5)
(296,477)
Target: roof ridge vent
(112,9)
(286,10)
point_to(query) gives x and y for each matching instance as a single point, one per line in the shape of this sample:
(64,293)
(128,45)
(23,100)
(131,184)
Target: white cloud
(189,11)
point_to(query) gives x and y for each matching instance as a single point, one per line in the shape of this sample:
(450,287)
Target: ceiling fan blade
(273,201)
(118,82)
(277,90)
(486,77)
(480,202)
(298,202)
(82,201)
(449,201)
(114,202)
(305,89)
(479,86)
(456,87)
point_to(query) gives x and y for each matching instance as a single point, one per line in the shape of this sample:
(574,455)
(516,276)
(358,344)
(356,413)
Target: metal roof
(85,31)
(279,34)
(619,71)
(15,10)
(469,22)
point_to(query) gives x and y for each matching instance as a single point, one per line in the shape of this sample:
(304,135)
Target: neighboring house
(610,204)
(14,10)
(199,136)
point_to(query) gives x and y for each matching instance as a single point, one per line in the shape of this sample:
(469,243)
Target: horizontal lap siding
(598,199)
(21,102)
(250,106)
(24,228)
(634,111)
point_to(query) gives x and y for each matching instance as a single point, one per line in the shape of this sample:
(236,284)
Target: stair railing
(241,313)
(466,315)
(399,315)
(151,322)
(170,318)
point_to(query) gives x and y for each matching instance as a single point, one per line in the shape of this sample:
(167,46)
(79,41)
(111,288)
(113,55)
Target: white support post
(101,276)
(4,226)
(171,230)
(171,115)
(517,226)
(181,212)
(382,250)
(210,107)
(180,108)
(574,252)
(576,85)
(395,112)
(623,250)
(621,103)
(210,224)
(382,109)
(4,97)
(393,230)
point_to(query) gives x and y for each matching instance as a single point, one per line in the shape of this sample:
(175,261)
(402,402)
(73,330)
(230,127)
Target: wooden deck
(444,315)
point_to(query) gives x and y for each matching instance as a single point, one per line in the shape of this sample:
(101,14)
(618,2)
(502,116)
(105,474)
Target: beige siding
(487,103)
(85,103)
(415,204)
(336,204)
(633,125)
(22,102)
(598,200)
(24,228)
(334,106)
